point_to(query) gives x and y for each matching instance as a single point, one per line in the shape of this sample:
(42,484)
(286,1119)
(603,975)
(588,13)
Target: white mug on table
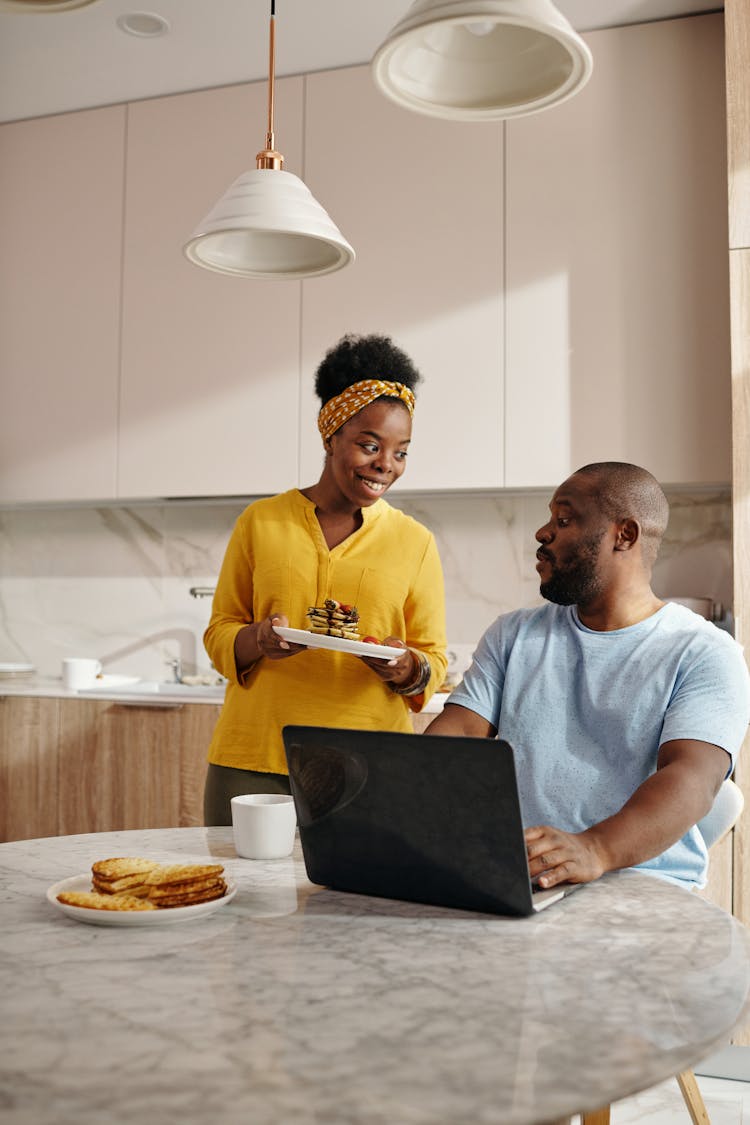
(263,825)
(79,673)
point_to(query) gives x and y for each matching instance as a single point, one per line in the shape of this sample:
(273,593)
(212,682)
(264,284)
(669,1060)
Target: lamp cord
(271,75)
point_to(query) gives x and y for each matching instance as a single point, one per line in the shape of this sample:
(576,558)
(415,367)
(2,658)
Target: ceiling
(55,62)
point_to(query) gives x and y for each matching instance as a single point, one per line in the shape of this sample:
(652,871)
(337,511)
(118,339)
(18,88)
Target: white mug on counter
(264,825)
(79,672)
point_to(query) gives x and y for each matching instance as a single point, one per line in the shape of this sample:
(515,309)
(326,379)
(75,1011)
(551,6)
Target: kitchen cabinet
(737,41)
(737,16)
(29,731)
(560,280)
(86,765)
(209,401)
(421,201)
(61,186)
(739,264)
(617,288)
(69,766)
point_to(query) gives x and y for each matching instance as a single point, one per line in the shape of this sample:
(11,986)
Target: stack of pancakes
(335,619)
(133,883)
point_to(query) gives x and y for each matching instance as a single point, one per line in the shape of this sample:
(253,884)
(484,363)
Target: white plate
(164,917)
(338,644)
(16,669)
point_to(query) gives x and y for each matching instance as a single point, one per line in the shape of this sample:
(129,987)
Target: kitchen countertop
(295,1003)
(51,686)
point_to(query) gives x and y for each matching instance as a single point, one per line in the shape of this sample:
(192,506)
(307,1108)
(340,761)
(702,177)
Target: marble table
(297,1005)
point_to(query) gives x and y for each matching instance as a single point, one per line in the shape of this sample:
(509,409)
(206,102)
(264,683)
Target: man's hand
(562,857)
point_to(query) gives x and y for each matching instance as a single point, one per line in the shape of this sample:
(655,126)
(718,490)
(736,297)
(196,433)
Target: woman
(337,539)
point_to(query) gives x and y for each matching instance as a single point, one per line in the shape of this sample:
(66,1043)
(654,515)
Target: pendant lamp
(268,224)
(38,6)
(481,60)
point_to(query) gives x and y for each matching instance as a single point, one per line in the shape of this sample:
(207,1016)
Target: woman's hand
(400,670)
(269,643)
(259,640)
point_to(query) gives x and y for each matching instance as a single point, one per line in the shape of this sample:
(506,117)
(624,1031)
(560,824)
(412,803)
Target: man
(625,713)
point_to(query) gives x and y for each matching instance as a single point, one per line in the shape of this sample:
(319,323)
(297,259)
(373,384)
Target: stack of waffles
(134,883)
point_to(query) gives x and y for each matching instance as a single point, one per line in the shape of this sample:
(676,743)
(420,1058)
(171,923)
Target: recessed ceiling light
(42,5)
(147,25)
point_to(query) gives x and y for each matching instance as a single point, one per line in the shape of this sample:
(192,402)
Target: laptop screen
(410,816)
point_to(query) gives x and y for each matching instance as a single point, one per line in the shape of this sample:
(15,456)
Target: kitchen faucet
(176,666)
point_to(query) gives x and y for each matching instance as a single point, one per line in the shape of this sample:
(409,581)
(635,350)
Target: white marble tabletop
(297,1005)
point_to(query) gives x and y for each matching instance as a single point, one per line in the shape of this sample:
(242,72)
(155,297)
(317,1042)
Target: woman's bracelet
(417,686)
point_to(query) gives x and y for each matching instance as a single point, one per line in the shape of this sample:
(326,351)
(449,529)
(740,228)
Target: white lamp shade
(480,60)
(38,6)
(268,224)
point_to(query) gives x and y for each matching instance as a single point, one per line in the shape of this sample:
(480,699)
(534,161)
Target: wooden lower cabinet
(124,766)
(28,767)
(421,722)
(70,766)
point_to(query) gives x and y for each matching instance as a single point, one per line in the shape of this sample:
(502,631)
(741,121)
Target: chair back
(723,814)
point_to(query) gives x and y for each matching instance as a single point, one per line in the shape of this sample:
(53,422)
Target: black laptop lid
(419,817)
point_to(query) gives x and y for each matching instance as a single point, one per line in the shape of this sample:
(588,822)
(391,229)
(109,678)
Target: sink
(212,691)
(156,688)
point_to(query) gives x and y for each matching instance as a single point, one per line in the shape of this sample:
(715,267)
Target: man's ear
(628,534)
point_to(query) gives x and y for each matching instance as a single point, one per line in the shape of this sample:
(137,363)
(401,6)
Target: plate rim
(321,640)
(135,917)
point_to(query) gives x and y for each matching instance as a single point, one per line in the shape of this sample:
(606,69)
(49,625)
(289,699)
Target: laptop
(418,817)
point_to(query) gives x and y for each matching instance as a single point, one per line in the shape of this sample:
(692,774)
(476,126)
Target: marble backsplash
(114,582)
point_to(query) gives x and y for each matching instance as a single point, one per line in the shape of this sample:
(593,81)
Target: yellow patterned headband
(341,408)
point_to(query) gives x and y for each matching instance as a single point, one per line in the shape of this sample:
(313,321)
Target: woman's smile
(377,486)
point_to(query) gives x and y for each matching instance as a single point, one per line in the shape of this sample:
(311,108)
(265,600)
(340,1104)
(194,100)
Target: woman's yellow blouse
(277,561)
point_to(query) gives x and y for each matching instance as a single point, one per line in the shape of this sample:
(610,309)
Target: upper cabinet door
(209,362)
(61,192)
(617,290)
(421,202)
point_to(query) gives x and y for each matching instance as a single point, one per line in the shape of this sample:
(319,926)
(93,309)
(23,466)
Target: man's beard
(577,582)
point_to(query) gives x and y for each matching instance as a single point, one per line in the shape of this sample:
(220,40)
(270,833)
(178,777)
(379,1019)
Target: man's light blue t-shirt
(586,711)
